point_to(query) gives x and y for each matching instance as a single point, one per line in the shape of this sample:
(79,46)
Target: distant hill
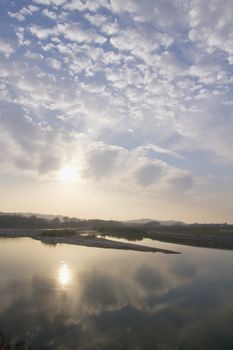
(39,215)
(162,222)
(40,221)
(172,223)
(136,221)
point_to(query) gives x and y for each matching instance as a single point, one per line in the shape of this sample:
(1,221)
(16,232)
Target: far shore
(220,241)
(205,236)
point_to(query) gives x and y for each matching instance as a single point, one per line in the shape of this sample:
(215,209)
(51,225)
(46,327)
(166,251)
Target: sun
(68,174)
(64,274)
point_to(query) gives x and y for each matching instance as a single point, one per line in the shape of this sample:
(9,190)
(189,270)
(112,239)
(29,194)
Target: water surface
(72,297)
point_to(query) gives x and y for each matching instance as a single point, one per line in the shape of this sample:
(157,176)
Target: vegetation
(58,233)
(131,233)
(197,229)
(16,221)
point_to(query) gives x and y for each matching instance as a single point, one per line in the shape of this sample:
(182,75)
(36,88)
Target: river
(73,297)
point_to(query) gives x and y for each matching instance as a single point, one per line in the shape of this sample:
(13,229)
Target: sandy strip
(101,243)
(82,241)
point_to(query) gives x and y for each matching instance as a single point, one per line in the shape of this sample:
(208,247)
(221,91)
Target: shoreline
(81,240)
(202,241)
(215,240)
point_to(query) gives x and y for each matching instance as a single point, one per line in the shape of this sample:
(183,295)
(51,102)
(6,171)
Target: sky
(117,109)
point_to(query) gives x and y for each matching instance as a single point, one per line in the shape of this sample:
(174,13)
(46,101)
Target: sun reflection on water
(64,274)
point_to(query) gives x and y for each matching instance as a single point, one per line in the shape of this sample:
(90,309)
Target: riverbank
(206,235)
(217,241)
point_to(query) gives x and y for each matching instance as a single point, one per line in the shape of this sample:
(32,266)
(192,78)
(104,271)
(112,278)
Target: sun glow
(68,174)
(64,274)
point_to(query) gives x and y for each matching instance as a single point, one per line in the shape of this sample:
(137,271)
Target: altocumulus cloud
(136,94)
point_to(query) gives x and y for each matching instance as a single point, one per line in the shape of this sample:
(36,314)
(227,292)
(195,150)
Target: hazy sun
(67,174)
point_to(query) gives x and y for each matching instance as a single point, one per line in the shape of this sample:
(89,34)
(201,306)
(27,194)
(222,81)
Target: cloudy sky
(117,109)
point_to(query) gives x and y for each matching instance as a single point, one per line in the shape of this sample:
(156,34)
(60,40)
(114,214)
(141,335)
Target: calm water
(69,297)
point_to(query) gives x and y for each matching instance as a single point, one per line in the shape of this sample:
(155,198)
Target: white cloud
(140,42)
(74,32)
(6,48)
(139,96)
(50,2)
(181,182)
(90,5)
(33,55)
(211,25)
(149,174)
(209,72)
(54,63)
(165,15)
(49,14)
(42,33)
(24,12)
(102,161)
